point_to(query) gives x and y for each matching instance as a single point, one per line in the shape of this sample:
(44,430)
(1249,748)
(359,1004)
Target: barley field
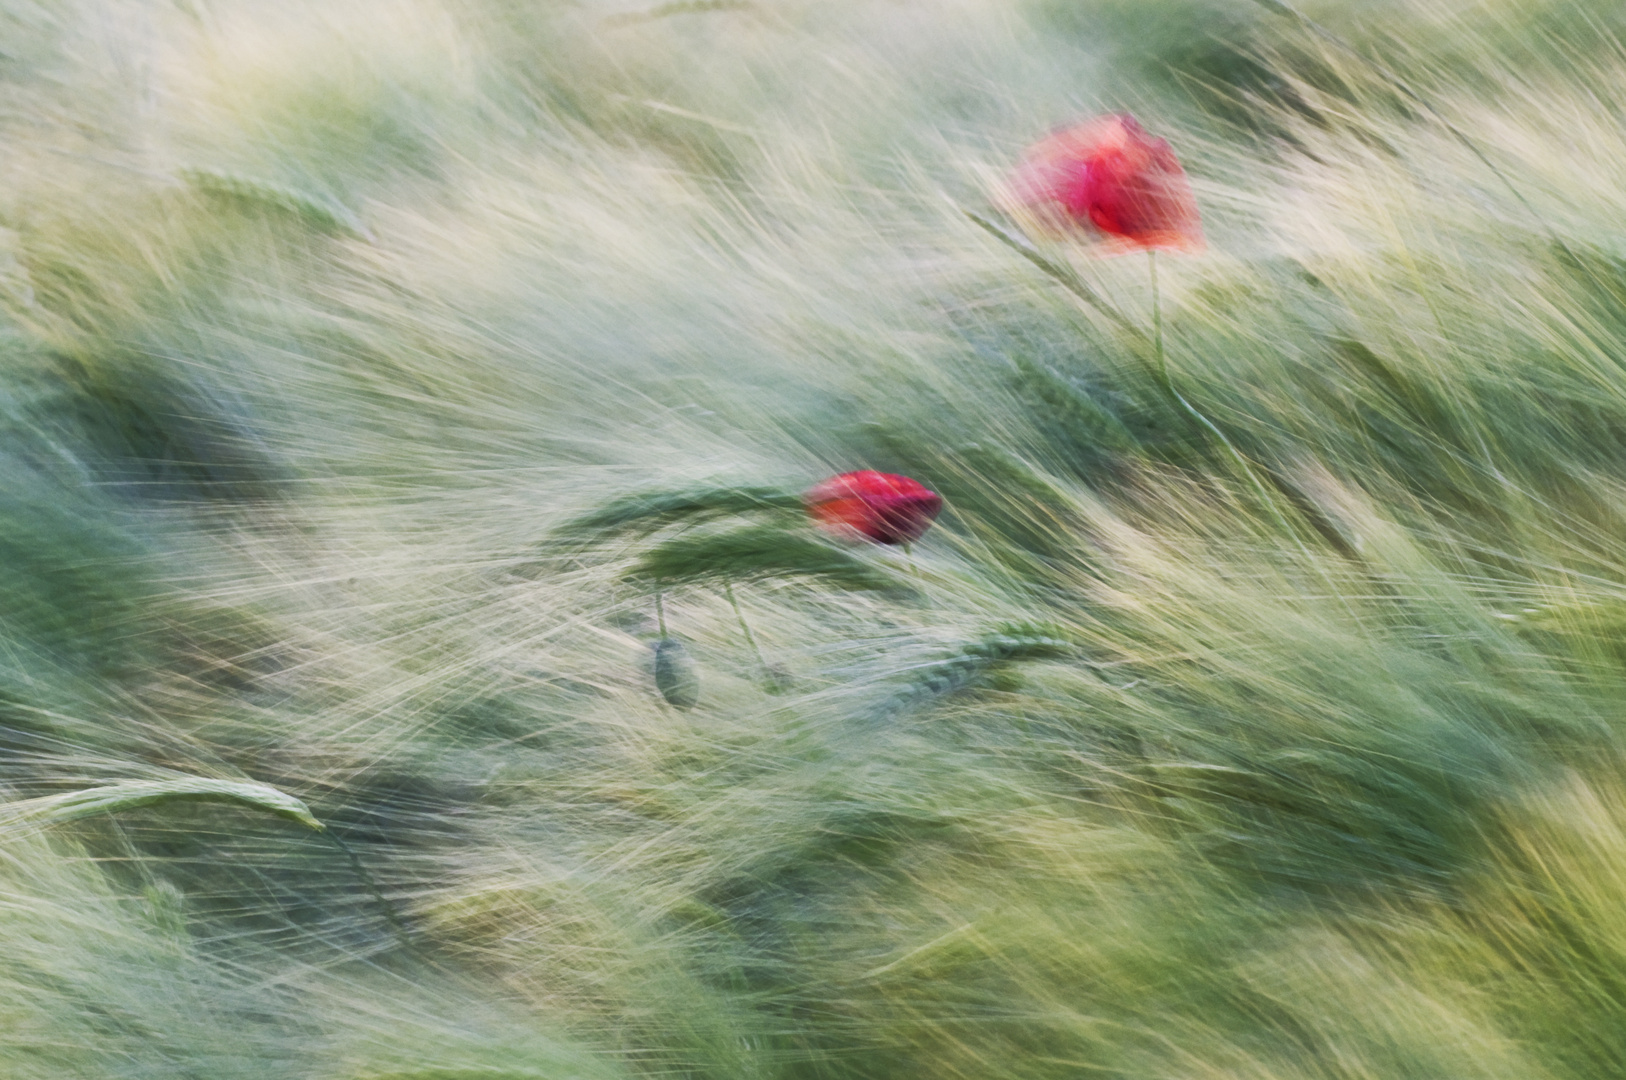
(416,661)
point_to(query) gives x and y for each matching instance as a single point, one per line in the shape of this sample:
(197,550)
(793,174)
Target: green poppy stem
(660,614)
(728,590)
(1157,325)
(391,916)
(914,571)
(1161,372)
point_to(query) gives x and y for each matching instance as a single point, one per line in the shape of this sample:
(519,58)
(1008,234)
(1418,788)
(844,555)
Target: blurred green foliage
(404,405)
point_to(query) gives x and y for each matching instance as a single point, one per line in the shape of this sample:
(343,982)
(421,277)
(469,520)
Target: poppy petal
(883,507)
(1110,178)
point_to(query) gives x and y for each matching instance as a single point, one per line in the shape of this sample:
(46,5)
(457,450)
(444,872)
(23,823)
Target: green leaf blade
(133,794)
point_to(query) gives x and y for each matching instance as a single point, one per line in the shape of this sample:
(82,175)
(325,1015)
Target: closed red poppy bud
(883,507)
(1110,177)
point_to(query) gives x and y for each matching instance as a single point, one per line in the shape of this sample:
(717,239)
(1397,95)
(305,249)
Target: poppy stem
(1157,324)
(1161,371)
(391,916)
(660,614)
(909,557)
(728,590)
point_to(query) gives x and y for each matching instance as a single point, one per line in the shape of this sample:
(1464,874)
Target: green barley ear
(760,551)
(316,211)
(973,663)
(131,794)
(644,512)
(1085,419)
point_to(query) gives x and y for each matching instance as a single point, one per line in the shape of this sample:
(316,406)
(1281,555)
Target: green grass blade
(132,794)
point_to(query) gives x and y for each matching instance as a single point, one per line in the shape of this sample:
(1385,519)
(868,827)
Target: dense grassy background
(321,321)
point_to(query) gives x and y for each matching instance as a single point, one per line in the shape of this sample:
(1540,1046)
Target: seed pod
(675,675)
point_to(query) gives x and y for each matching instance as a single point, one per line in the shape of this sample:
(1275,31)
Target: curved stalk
(1160,371)
(728,590)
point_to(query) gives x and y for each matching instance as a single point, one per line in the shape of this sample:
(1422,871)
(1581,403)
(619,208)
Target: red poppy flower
(1108,175)
(883,507)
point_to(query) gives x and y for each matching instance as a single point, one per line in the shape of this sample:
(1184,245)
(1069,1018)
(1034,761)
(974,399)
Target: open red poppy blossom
(1111,177)
(884,507)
